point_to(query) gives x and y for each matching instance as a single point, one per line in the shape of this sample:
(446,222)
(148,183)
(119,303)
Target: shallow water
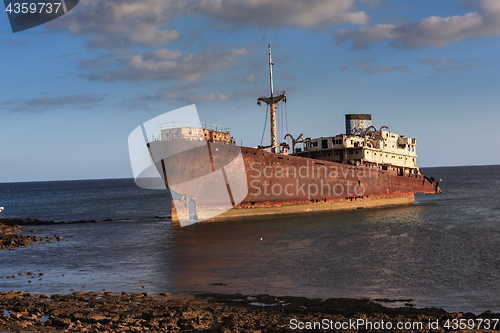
(440,252)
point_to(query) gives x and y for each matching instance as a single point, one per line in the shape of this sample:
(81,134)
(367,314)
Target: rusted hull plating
(280,179)
(276,180)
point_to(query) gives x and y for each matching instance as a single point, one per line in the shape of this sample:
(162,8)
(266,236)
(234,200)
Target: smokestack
(355,121)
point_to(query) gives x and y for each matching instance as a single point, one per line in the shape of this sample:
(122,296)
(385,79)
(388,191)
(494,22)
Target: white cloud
(251,78)
(179,93)
(288,77)
(33,105)
(182,93)
(256,93)
(124,23)
(120,23)
(13,42)
(436,61)
(169,65)
(280,13)
(368,68)
(187,94)
(342,67)
(102,61)
(99,62)
(454,68)
(431,31)
(448,65)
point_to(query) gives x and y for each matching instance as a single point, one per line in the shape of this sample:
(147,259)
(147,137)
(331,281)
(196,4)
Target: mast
(272,101)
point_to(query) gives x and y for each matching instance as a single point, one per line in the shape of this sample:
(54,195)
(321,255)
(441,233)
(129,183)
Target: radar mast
(272,101)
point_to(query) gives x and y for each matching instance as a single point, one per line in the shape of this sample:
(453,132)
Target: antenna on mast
(272,101)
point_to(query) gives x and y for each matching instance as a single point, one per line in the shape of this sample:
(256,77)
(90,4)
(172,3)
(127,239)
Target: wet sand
(137,312)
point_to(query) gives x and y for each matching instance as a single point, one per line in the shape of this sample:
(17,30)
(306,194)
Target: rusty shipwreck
(217,179)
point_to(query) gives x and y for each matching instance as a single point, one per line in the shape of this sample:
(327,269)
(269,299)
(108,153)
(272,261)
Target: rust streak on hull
(281,184)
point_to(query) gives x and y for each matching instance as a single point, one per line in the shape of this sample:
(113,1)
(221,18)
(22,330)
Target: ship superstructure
(190,130)
(363,144)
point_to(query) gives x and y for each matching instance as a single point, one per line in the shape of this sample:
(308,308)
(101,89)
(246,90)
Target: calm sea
(442,251)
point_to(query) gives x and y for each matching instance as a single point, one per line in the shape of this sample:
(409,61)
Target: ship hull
(301,207)
(286,184)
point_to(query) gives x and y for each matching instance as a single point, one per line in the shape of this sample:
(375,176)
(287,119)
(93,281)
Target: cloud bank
(120,23)
(280,13)
(164,64)
(126,23)
(432,31)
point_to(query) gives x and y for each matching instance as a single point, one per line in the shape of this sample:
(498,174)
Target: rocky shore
(10,236)
(134,312)
(140,312)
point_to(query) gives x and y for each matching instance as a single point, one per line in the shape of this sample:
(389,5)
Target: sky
(73,89)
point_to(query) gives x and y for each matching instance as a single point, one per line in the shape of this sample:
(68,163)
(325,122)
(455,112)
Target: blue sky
(74,88)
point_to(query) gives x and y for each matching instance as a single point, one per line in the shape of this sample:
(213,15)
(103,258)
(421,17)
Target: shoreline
(138,312)
(207,312)
(8,221)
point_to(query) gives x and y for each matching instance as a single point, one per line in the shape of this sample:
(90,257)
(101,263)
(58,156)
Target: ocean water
(442,251)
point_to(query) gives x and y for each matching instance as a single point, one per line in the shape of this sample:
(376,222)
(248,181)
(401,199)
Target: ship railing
(232,142)
(195,124)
